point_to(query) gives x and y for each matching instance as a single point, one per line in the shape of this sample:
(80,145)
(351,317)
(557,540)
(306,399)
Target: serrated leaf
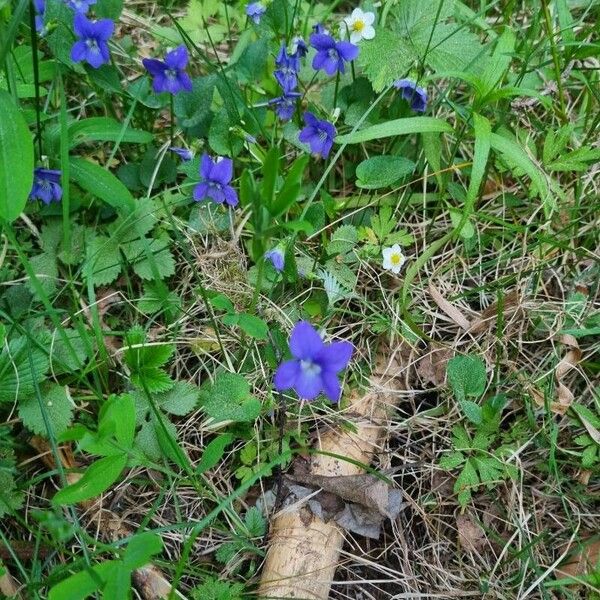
(162,258)
(11,498)
(68,357)
(467,376)
(180,400)
(452,460)
(21,365)
(229,399)
(103,260)
(472,411)
(465,482)
(255,522)
(56,407)
(148,438)
(153,378)
(343,240)
(46,271)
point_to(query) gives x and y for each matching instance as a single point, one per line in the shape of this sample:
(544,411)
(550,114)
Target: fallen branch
(303,552)
(149,580)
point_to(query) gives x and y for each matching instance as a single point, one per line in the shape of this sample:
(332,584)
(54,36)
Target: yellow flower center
(396,259)
(358,25)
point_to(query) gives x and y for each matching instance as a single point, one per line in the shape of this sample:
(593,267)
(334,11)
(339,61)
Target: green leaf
(57,406)
(516,157)
(452,460)
(46,271)
(180,400)
(254,326)
(465,482)
(290,190)
(22,365)
(386,129)
(149,438)
(104,129)
(229,399)
(103,260)
(68,358)
(255,522)
(16,159)
(472,411)
(467,376)
(109,9)
(101,183)
(141,548)
(213,452)
(11,498)
(193,108)
(96,479)
(162,258)
(270,171)
(419,33)
(83,584)
(382,171)
(343,240)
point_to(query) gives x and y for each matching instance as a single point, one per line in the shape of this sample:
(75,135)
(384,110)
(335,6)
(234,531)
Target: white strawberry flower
(393,259)
(360,25)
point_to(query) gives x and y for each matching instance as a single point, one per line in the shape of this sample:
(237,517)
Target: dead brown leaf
(454,313)
(471,535)
(586,560)
(432,366)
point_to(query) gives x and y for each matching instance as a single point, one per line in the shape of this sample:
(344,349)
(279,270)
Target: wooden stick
(149,580)
(303,552)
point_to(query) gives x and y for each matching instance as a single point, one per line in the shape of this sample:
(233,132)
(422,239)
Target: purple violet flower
(331,56)
(169,75)
(315,366)
(40,10)
(216,176)
(319,135)
(255,11)
(46,186)
(92,45)
(299,47)
(287,69)
(320,29)
(80,6)
(411,92)
(285,105)
(185,154)
(277,258)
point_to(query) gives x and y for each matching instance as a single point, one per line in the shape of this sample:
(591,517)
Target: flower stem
(335,93)
(172,123)
(36,77)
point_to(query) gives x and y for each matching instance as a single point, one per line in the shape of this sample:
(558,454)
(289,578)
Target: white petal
(355,37)
(396,269)
(387,253)
(396,249)
(387,264)
(368,33)
(369,18)
(357,13)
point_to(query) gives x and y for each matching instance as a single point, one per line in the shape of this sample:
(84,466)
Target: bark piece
(303,553)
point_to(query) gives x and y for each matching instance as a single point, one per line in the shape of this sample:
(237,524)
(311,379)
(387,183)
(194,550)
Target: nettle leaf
(382,171)
(343,240)
(255,522)
(147,253)
(56,407)
(11,498)
(467,376)
(103,260)
(149,437)
(22,364)
(229,399)
(180,400)
(46,271)
(421,33)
